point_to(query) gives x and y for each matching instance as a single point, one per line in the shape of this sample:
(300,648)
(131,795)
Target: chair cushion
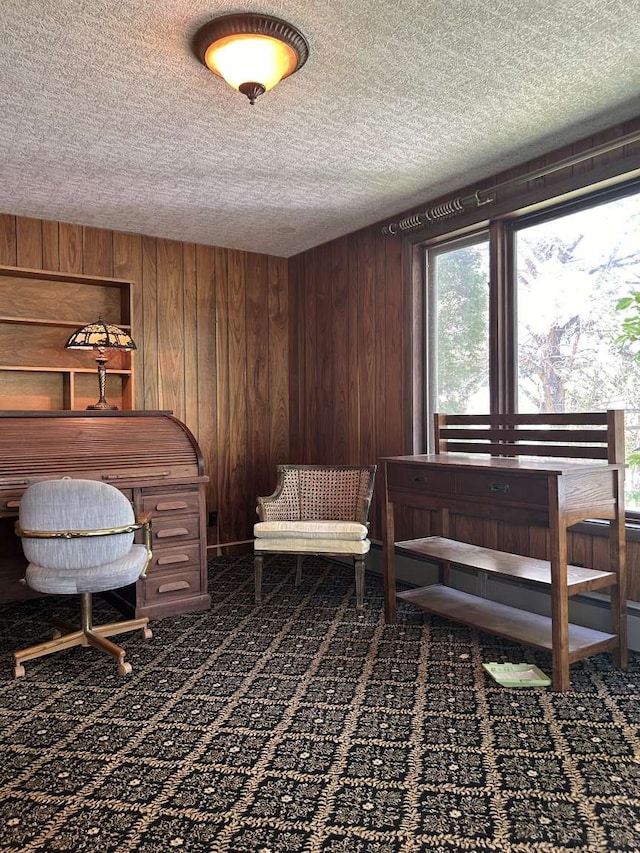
(325,530)
(313,546)
(118,573)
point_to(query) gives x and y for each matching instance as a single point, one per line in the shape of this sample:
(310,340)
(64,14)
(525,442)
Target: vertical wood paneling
(296,354)
(324,356)
(257,344)
(206,335)
(150,375)
(467,529)
(513,538)
(309,307)
(190,303)
(394,371)
(353,355)
(368,345)
(580,548)
(538,542)
(382,285)
(127,264)
(223,425)
(29,242)
(97,251)
(279,373)
(171,332)
(339,341)
(50,246)
(8,244)
(70,247)
(238,375)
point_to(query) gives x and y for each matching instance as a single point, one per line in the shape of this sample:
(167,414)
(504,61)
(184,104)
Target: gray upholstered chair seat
(121,572)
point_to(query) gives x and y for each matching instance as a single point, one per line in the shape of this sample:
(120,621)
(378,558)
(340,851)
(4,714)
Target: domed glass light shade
(251,52)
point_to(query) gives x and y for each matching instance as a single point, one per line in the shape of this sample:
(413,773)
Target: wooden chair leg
(258,561)
(359,567)
(299,570)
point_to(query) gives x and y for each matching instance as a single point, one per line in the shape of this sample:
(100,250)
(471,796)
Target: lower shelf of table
(515,566)
(530,629)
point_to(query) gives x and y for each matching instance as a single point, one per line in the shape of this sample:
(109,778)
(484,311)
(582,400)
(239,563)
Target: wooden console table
(481,470)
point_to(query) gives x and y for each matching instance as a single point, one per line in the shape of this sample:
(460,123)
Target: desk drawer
(175,559)
(172,587)
(503,488)
(171,503)
(166,531)
(419,478)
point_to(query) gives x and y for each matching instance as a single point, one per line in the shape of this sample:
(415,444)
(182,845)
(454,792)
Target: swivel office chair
(78,538)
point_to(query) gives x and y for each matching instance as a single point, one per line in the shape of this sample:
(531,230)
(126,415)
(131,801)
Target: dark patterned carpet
(298,726)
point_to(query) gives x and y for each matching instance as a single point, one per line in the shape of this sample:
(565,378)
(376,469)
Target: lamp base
(102,406)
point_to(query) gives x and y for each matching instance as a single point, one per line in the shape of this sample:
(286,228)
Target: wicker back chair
(316,509)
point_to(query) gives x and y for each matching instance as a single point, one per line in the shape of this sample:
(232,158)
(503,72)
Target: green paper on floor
(517,674)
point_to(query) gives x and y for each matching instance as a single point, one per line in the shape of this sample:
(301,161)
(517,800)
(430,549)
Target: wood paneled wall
(212,329)
(351,353)
(347,367)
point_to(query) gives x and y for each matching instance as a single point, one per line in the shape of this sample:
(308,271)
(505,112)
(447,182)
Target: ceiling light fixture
(251,52)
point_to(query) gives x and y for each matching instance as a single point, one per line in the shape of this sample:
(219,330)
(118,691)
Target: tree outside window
(572,273)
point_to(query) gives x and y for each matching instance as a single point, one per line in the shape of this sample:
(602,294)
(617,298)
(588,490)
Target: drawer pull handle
(172,531)
(174,558)
(420,478)
(173,586)
(503,488)
(13,504)
(167,506)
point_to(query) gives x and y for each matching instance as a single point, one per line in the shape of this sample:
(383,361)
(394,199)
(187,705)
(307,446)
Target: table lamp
(101,336)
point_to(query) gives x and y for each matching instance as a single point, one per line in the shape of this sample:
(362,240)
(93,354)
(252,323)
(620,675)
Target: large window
(557,330)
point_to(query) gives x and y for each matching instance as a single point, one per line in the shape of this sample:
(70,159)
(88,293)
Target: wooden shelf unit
(578,475)
(38,311)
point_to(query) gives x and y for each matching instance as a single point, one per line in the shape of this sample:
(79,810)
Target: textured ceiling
(107,119)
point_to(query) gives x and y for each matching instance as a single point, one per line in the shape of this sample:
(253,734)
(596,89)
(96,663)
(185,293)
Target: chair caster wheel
(18,671)
(124,668)
(147,633)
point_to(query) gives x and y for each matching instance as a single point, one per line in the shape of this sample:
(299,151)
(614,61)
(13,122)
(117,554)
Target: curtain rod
(457,205)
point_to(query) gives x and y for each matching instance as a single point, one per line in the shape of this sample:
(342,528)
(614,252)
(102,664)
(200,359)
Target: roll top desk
(152,457)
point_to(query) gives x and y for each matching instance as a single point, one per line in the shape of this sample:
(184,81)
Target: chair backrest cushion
(69,504)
